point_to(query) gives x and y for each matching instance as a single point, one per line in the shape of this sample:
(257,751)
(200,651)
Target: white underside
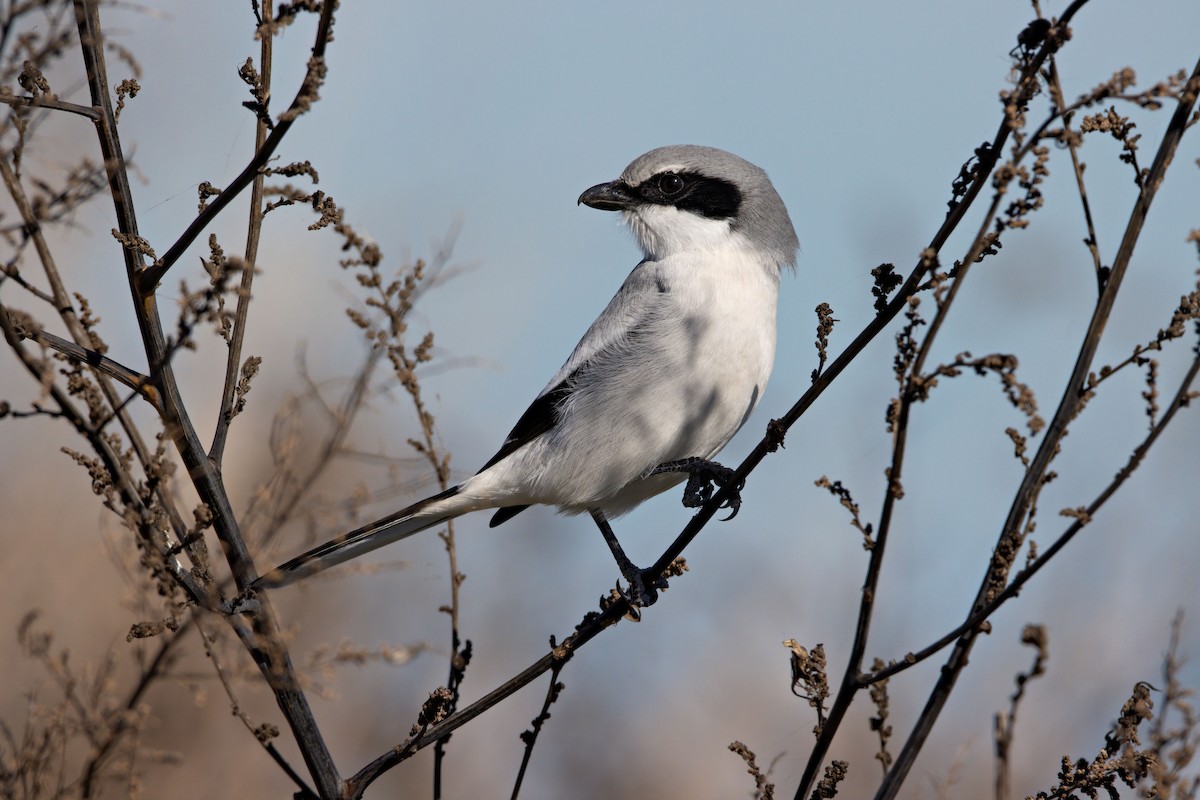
(680,386)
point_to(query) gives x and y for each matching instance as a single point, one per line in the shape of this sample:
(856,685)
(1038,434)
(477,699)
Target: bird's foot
(643,587)
(704,479)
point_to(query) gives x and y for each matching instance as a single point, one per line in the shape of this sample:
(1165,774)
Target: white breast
(680,384)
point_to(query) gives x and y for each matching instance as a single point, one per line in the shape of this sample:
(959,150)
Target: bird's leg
(704,477)
(643,588)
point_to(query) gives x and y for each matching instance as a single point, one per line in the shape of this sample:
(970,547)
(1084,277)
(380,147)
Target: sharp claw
(643,594)
(734,503)
(704,479)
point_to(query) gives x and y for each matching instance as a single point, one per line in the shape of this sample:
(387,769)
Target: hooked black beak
(614,196)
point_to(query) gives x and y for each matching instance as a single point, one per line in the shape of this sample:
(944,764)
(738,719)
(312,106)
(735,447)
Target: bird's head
(688,198)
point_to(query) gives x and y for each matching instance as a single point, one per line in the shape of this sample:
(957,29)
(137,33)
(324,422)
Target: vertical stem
(457,666)
(1067,408)
(1056,94)
(271,654)
(253,234)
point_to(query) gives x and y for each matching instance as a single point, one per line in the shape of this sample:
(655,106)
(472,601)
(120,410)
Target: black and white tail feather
(667,373)
(392,528)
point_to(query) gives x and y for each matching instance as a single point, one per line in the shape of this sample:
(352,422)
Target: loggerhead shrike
(660,382)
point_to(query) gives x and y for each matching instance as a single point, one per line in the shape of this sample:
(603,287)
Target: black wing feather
(540,417)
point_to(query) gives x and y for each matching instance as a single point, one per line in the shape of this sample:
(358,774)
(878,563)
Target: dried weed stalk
(1005,722)
(1016,184)
(763,788)
(134,465)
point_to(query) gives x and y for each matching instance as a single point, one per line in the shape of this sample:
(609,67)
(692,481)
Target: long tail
(392,528)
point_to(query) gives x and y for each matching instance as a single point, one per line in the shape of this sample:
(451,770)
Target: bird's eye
(670,183)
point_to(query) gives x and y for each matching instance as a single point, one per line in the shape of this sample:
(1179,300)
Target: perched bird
(660,382)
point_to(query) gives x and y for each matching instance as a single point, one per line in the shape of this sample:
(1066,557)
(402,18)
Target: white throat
(665,231)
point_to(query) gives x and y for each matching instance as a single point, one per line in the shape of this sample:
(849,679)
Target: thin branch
(1183,397)
(850,684)
(269,653)
(50,102)
(587,630)
(102,363)
(233,360)
(1026,86)
(262,733)
(11,272)
(460,654)
(530,736)
(1005,723)
(1073,396)
(152,275)
(1072,141)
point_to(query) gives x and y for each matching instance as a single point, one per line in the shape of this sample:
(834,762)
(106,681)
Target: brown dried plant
(134,466)
(1022,173)
(1156,768)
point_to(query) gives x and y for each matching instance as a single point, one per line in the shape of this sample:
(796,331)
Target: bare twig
(1183,397)
(269,653)
(233,360)
(264,732)
(1073,395)
(1005,723)
(1072,141)
(587,630)
(912,365)
(151,276)
(530,736)
(52,103)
